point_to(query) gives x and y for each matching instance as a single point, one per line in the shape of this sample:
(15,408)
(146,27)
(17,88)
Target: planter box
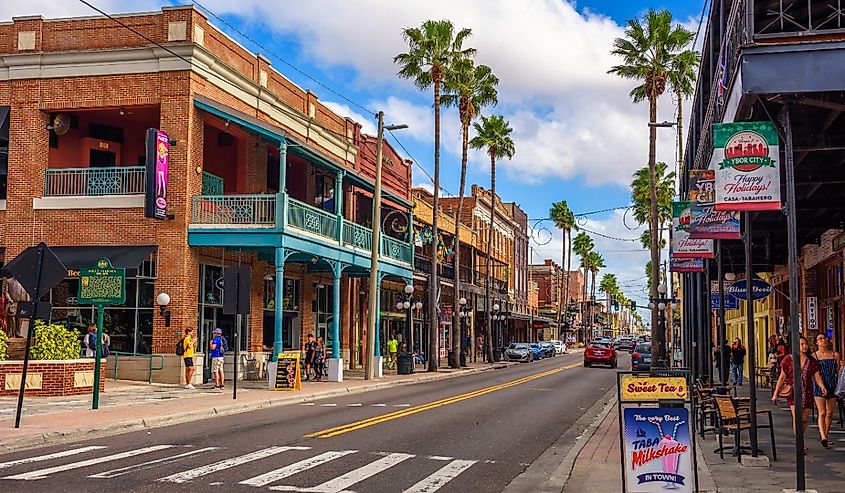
(50,378)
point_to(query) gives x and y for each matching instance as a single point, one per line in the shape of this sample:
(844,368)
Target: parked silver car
(518,352)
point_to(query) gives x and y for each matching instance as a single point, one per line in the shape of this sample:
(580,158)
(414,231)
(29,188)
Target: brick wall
(52,378)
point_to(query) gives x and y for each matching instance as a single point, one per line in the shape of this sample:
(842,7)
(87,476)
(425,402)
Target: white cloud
(367,125)
(425,185)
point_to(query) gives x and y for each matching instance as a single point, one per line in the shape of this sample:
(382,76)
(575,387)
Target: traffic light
(633,306)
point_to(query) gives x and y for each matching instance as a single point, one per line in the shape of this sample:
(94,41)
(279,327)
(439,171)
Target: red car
(599,352)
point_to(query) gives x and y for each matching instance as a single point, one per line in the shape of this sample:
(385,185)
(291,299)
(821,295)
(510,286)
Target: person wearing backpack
(185,348)
(218,351)
(89,342)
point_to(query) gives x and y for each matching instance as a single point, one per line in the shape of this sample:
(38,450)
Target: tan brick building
(261,173)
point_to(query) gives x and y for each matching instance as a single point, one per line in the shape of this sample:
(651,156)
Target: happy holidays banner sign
(746,161)
(682,245)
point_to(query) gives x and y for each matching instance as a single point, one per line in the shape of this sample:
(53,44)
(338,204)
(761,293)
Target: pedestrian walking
(89,342)
(809,369)
(310,347)
(218,351)
(392,349)
(737,361)
(319,358)
(480,348)
(829,364)
(189,345)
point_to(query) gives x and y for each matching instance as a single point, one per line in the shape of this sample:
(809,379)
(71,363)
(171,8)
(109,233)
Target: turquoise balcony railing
(311,219)
(245,210)
(211,184)
(121,180)
(261,211)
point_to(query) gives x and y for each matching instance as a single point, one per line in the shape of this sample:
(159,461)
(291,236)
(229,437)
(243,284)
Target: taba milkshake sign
(658,453)
(746,160)
(682,245)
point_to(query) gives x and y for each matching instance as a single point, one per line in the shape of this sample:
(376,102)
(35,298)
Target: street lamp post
(498,317)
(660,303)
(408,305)
(376,223)
(464,314)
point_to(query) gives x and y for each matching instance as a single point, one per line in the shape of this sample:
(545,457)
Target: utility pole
(376,246)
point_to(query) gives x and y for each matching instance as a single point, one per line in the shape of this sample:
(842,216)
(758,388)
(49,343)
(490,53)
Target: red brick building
(261,173)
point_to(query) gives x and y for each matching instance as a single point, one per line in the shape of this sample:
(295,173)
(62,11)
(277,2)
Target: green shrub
(3,338)
(54,342)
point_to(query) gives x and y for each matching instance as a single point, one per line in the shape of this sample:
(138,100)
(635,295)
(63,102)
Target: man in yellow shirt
(392,349)
(190,345)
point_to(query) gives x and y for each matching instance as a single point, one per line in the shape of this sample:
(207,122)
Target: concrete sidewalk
(129,406)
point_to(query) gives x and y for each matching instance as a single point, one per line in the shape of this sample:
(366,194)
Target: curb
(127,426)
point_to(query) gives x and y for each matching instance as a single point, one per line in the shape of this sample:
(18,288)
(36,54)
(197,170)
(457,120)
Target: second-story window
(324,192)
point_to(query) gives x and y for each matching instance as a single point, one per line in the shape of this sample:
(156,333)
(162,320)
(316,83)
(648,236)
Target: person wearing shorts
(190,345)
(217,354)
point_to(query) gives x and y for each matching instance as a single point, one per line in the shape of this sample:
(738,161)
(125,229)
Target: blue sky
(578,135)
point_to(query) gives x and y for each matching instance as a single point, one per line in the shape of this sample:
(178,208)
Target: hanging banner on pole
(686,264)
(705,221)
(747,165)
(682,245)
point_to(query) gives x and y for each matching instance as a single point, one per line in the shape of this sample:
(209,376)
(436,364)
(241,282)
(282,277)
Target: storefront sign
(812,313)
(759,289)
(731,303)
(634,388)
(288,375)
(658,452)
(686,264)
(157,167)
(747,165)
(682,246)
(102,285)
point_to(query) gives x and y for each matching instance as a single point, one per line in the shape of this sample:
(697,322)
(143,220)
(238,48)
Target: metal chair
(733,420)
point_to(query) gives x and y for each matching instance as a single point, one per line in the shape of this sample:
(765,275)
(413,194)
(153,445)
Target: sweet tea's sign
(635,388)
(747,165)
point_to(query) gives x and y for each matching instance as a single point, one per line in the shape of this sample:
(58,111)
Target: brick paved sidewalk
(597,465)
(127,406)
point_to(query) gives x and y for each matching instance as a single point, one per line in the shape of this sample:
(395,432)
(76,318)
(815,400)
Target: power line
(700,21)
(289,64)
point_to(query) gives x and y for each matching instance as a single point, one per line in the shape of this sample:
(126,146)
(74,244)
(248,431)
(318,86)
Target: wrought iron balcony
(94,182)
(260,211)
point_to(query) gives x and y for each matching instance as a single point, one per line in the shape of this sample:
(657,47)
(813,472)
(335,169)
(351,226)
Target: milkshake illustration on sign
(672,461)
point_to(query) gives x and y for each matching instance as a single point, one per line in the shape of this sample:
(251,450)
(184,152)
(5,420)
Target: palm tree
(610,287)
(493,134)
(433,48)
(642,205)
(582,246)
(564,219)
(681,80)
(470,88)
(647,53)
(595,262)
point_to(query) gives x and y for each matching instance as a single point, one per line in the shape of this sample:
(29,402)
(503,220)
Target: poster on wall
(157,167)
(747,166)
(682,246)
(658,453)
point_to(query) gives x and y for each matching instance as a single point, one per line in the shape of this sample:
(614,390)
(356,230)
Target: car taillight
(635,355)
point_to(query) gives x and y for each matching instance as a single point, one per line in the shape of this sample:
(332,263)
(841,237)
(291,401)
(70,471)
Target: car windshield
(644,348)
(599,344)
(518,346)
(535,345)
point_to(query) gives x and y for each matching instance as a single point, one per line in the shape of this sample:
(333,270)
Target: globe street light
(462,302)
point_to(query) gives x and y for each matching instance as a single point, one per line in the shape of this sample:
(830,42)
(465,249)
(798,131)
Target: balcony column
(336,362)
(278,305)
(281,196)
(379,369)
(338,204)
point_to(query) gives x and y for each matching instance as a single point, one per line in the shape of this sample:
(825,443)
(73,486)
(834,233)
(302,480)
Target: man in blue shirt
(218,349)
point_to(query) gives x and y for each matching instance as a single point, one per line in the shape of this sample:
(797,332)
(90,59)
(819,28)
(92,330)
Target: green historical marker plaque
(102,285)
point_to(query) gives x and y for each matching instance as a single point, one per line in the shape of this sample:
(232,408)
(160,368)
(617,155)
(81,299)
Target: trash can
(404,363)
(497,354)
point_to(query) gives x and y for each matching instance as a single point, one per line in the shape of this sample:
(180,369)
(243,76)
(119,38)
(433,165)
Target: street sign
(25,267)
(102,285)
(236,290)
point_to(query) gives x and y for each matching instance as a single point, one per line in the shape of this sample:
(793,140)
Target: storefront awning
(83,257)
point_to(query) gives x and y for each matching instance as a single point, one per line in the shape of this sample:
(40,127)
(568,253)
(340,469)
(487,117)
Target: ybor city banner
(747,165)
(658,452)
(682,245)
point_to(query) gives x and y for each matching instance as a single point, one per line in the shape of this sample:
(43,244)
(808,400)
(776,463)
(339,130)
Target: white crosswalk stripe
(57,455)
(442,476)
(341,483)
(191,474)
(295,468)
(146,465)
(43,473)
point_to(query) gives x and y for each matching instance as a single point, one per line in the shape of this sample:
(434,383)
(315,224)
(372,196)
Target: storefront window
(324,192)
(211,314)
(290,295)
(323,314)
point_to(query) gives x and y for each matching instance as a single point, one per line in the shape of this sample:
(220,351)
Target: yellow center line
(357,425)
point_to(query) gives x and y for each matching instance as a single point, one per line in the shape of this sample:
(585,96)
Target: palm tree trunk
(567,234)
(584,307)
(561,297)
(487,305)
(457,340)
(592,292)
(433,285)
(657,342)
